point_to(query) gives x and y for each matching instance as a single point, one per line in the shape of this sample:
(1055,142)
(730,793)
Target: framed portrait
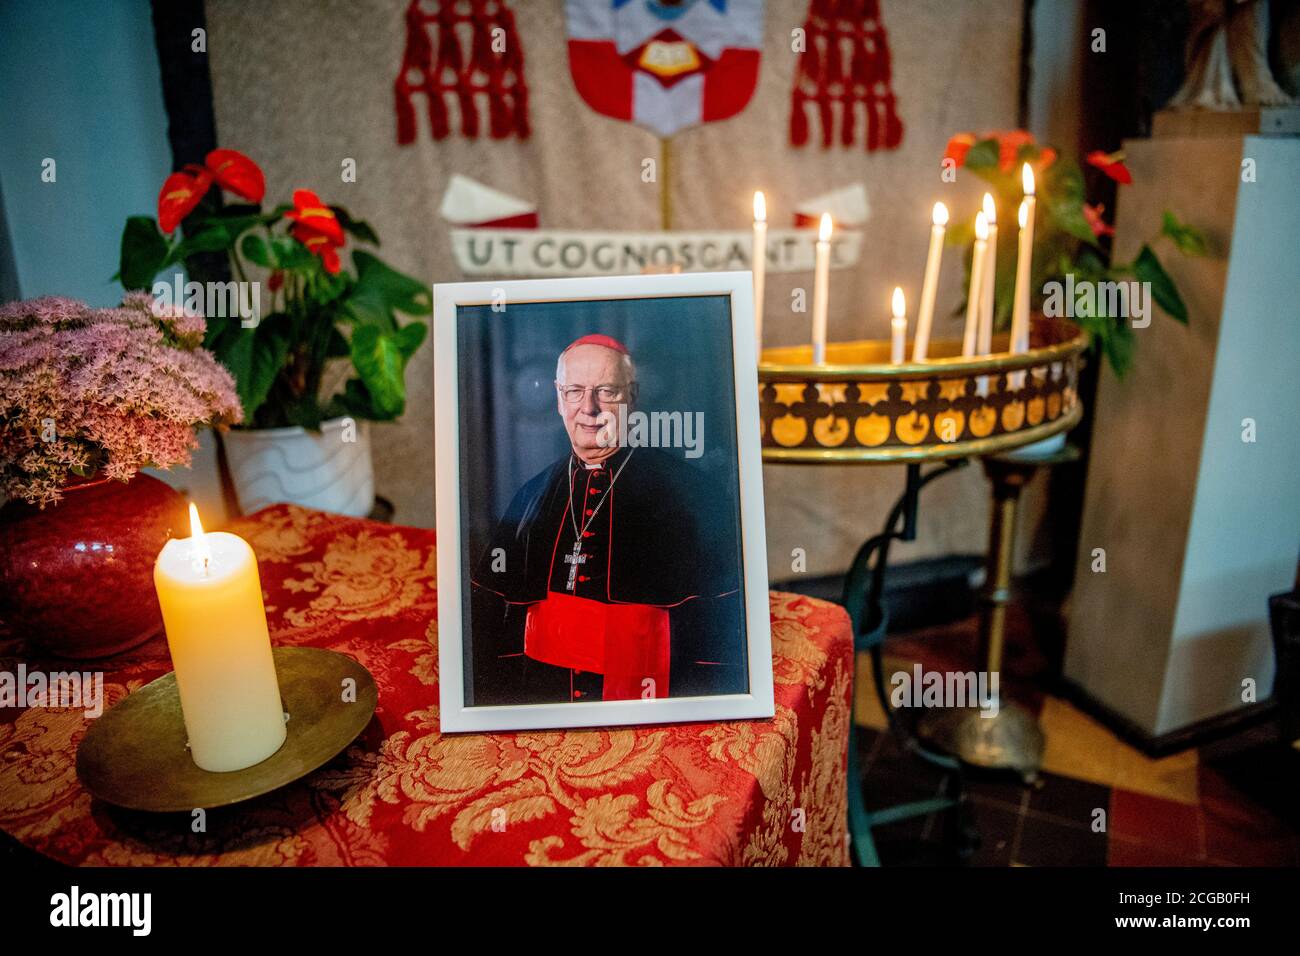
(601,552)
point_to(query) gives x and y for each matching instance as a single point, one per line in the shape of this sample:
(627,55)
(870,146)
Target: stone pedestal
(1193,486)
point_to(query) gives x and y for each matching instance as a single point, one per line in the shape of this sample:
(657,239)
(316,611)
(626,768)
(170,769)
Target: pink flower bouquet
(87,390)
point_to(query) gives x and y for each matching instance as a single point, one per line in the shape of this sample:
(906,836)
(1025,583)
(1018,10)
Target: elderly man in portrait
(614,573)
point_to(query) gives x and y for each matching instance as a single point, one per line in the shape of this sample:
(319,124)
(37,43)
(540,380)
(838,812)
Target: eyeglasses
(604,393)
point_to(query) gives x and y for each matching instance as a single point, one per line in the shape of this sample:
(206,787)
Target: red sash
(627,643)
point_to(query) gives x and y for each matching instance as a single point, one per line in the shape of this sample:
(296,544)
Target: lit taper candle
(821,289)
(211,600)
(1024,266)
(978,276)
(930,286)
(758,264)
(898,328)
(984,341)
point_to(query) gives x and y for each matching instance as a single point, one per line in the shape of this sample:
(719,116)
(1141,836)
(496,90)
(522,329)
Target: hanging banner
(665,65)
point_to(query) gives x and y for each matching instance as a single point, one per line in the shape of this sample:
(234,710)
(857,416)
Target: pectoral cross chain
(573,559)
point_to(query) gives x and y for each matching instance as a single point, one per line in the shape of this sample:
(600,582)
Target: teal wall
(80,84)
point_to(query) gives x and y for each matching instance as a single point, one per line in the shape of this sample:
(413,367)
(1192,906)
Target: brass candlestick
(859,408)
(1011,737)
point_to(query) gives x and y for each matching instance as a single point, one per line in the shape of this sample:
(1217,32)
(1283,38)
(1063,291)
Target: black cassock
(655,530)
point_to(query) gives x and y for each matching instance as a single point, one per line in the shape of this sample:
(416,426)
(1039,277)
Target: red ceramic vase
(76,579)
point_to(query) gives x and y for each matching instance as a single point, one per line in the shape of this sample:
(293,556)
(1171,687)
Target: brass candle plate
(136,755)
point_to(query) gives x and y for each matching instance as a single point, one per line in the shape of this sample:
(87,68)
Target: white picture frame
(758,701)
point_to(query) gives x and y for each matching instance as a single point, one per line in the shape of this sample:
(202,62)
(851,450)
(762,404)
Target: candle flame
(940,215)
(990,208)
(899,303)
(760,207)
(200,552)
(1027,179)
(981,227)
(824,231)
(1024,213)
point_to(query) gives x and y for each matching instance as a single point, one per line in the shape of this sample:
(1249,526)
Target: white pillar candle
(930,286)
(1024,266)
(821,289)
(984,340)
(898,328)
(211,600)
(758,257)
(978,275)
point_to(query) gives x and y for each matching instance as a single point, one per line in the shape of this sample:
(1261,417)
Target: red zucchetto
(605,341)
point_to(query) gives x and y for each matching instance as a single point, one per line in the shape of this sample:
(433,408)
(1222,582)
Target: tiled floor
(1098,801)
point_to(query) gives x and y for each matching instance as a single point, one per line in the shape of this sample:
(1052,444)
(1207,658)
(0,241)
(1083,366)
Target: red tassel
(472,75)
(893,126)
(405,114)
(828,120)
(798,120)
(498,115)
(834,61)
(438,123)
(449,55)
(845,66)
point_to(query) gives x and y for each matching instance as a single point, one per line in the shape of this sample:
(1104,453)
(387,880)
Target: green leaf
(336,345)
(381,291)
(354,401)
(1147,268)
(1065,179)
(256,251)
(214,239)
(305,413)
(983,155)
(1118,347)
(143,253)
(291,254)
(1189,240)
(409,338)
(1067,215)
(358,227)
(379,360)
(255,358)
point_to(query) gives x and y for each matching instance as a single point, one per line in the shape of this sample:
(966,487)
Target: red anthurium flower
(1097,224)
(237,173)
(1046,157)
(318,244)
(312,214)
(1112,164)
(958,147)
(1009,144)
(180,193)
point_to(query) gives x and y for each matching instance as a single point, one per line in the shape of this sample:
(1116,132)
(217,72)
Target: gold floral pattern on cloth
(286,532)
(757,792)
(363,576)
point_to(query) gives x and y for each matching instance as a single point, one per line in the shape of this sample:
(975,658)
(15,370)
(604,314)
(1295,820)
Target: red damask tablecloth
(403,794)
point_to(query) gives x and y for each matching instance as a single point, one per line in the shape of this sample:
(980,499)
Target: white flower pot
(331,470)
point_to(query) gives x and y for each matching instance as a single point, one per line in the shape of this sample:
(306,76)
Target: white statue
(1227,58)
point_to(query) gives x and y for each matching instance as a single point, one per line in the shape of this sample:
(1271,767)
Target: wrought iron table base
(863,593)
